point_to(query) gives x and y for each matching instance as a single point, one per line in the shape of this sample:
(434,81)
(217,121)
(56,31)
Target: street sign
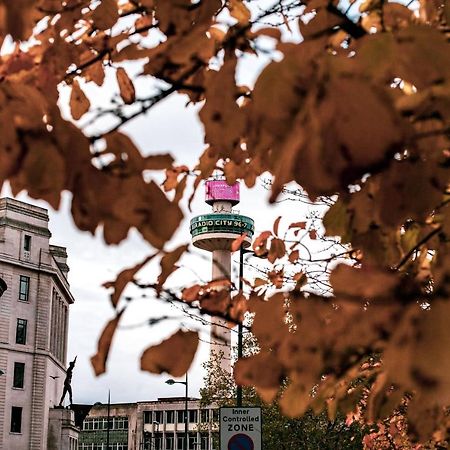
(240,428)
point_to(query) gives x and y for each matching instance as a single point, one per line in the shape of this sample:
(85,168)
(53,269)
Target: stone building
(33,332)
(150,425)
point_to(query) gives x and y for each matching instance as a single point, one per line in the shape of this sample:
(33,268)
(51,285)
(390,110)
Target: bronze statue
(67,382)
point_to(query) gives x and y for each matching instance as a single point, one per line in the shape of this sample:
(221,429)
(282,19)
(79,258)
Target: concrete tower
(215,233)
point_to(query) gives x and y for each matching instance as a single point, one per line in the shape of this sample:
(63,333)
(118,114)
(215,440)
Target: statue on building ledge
(68,383)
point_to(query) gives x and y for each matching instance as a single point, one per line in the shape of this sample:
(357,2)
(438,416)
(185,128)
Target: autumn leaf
(125,277)
(98,361)
(126,87)
(79,103)
(168,262)
(239,11)
(260,243)
(276,224)
(236,244)
(191,293)
(365,283)
(106,14)
(173,355)
(277,250)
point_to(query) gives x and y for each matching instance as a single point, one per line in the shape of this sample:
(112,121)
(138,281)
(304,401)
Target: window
(169,443)
(180,416)
(170,416)
(192,442)
(27,243)
(158,416)
(215,415)
(21,331)
(180,441)
(19,371)
(204,442)
(148,416)
(16,419)
(193,417)
(24,287)
(204,416)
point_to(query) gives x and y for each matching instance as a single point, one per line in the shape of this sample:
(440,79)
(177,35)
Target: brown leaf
(364,283)
(236,244)
(173,355)
(277,250)
(260,243)
(95,72)
(238,308)
(168,262)
(127,91)
(158,162)
(106,14)
(191,294)
(276,225)
(312,234)
(301,225)
(79,103)
(124,278)
(261,370)
(239,11)
(294,256)
(98,361)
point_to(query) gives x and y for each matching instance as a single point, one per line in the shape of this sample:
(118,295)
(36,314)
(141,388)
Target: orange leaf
(106,14)
(79,103)
(98,361)
(363,283)
(158,162)
(191,293)
(260,243)
(124,278)
(174,355)
(275,226)
(312,234)
(293,257)
(127,91)
(301,225)
(236,244)
(277,250)
(168,264)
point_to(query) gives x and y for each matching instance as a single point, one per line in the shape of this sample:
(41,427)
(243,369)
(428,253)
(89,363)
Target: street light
(172,382)
(242,252)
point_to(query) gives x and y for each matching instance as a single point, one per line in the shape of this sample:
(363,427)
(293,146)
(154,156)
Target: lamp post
(242,252)
(186,427)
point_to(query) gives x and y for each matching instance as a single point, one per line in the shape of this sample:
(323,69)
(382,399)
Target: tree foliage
(309,432)
(359,108)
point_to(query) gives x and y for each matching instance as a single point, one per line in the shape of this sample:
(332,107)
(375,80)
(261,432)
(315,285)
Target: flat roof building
(151,425)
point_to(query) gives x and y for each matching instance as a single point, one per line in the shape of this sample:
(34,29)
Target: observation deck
(217,231)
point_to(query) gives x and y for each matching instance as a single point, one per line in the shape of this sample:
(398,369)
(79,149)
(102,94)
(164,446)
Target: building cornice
(23,208)
(31,351)
(54,272)
(19,225)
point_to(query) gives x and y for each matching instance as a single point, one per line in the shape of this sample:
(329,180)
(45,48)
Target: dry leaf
(173,355)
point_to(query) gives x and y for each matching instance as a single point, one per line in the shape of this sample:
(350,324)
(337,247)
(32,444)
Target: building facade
(151,425)
(34,311)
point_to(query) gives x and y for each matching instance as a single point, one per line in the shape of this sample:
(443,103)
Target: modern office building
(34,312)
(150,425)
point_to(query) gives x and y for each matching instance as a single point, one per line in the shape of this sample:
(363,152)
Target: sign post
(240,428)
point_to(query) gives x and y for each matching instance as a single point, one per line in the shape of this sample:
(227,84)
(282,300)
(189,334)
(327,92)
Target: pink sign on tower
(220,190)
